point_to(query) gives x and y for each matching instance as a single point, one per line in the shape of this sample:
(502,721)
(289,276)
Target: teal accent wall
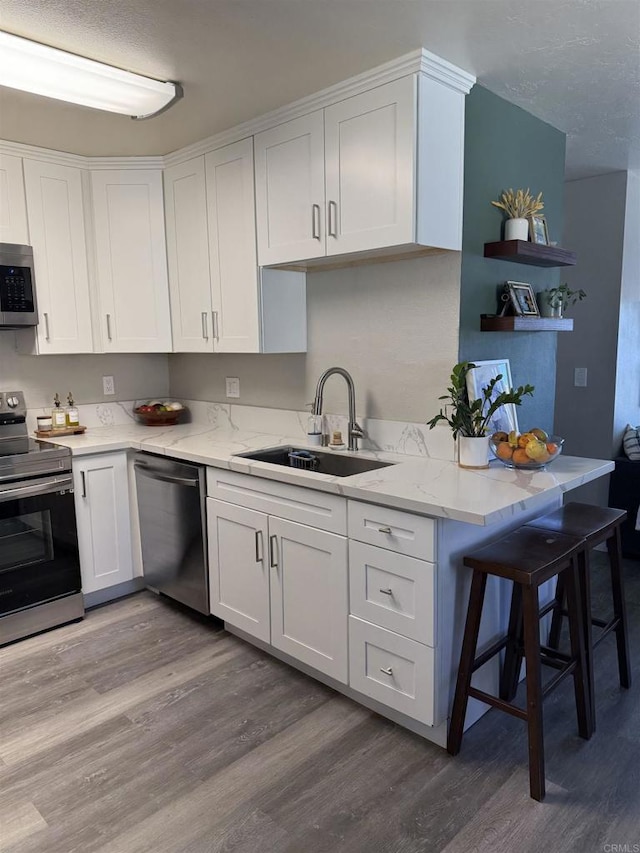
(507,147)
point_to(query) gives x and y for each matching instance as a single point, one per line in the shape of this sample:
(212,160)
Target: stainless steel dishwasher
(173,530)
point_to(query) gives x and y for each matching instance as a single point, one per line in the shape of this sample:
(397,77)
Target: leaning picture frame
(538,230)
(506,418)
(523,299)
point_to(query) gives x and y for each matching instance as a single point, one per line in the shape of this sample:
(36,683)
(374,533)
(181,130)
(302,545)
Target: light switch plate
(580,377)
(108,386)
(233,386)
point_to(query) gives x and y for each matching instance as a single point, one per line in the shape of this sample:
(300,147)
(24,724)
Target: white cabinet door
(370,157)
(238,567)
(232,244)
(185,201)
(290,190)
(309,608)
(13,207)
(104,525)
(131,261)
(57,227)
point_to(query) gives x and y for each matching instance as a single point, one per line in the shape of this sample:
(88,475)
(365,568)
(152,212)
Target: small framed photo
(538,231)
(523,299)
(506,418)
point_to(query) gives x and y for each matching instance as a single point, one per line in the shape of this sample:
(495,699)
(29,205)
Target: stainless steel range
(40,585)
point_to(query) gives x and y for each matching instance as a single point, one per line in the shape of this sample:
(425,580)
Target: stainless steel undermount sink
(320,461)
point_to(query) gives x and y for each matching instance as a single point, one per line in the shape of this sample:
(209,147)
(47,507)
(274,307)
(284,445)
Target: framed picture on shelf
(538,231)
(506,418)
(523,299)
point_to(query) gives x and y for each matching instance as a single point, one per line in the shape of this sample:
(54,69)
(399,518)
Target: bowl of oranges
(532,449)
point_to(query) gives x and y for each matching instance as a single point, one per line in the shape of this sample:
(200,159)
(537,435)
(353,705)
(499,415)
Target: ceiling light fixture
(42,70)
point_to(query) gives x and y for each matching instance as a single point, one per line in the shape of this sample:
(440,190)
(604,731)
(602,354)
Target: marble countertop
(428,486)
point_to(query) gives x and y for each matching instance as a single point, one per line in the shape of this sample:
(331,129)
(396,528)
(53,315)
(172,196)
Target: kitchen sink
(322,462)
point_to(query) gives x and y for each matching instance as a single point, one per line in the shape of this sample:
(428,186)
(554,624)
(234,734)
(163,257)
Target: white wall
(602,227)
(393,326)
(40,376)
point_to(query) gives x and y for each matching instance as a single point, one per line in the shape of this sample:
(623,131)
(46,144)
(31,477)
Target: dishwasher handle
(154,474)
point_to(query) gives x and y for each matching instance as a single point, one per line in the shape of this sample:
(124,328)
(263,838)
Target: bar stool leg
(510,673)
(467,657)
(556,619)
(614,547)
(577,636)
(534,691)
(584,580)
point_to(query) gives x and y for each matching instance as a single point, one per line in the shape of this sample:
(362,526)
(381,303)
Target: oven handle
(42,487)
(154,474)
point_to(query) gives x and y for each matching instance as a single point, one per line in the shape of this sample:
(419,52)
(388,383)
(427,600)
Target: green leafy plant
(519,204)
(471,418)
(562,296)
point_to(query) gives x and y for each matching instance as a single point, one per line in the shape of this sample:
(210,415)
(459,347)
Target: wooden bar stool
(595,525)
(529,557)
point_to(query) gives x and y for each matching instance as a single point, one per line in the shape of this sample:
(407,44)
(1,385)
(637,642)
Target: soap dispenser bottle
(314,429)
(73,416)
(58,414)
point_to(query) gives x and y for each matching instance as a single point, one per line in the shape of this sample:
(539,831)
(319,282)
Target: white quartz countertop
(434,487)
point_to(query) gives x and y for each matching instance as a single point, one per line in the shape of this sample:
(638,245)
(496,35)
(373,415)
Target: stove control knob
(13,402)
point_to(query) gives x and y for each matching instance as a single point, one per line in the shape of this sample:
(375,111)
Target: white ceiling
(572,63)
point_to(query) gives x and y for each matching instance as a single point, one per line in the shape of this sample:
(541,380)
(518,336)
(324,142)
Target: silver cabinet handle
(388,591)
(109,327)
(205,330)
(84,484)
(46,327)
(387,670)
(315,221)
(332,230)
(384,530)
(259,550)
(214,321)
(273,552)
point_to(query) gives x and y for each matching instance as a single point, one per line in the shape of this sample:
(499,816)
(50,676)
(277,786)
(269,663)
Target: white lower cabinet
(104,525)
(282,582)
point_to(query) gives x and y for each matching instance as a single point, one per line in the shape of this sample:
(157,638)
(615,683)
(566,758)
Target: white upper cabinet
(370,154)
(185,201)
(13,208)
(290,196)
(232,248)
(57,228)
(131,260)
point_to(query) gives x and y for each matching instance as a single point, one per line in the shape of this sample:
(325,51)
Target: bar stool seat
(529,557)
(596,525)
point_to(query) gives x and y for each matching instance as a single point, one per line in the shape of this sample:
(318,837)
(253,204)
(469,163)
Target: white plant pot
(546,310)
(473,452)
(516,229)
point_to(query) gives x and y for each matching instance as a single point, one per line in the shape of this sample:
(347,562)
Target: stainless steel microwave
(18,305)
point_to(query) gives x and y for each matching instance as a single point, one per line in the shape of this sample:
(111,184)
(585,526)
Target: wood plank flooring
(148,728)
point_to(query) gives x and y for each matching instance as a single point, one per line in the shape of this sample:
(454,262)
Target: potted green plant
(554,301)
(518,206)
(469,419)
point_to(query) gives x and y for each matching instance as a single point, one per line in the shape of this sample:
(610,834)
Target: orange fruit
(524,439)
(503,450)
(520,456)
(552,447)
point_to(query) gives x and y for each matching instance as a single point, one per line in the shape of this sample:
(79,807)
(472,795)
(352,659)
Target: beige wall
(136,376)
(393,326)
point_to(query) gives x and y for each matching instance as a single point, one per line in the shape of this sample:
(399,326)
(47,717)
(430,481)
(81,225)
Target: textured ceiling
(572,63)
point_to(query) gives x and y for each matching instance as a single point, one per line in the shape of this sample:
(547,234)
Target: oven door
(39,559)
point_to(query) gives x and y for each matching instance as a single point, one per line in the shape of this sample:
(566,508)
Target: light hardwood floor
(148,728)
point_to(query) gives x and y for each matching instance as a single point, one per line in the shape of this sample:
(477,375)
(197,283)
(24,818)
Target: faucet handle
(356,430)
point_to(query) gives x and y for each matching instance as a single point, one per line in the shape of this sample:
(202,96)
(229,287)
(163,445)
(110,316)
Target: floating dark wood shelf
(525,324)
(532,254)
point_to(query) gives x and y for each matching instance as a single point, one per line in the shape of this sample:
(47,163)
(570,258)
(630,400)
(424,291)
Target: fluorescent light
(42,70)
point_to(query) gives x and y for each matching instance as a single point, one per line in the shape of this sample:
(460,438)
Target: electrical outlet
(233,386)
(108,386)
(580,377)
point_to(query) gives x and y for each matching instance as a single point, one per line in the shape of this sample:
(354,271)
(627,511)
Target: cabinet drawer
(295,503)
(403,532)
(393,591)
(394,670)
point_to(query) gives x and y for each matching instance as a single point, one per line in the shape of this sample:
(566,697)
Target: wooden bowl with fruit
(158,413)
(528,450)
